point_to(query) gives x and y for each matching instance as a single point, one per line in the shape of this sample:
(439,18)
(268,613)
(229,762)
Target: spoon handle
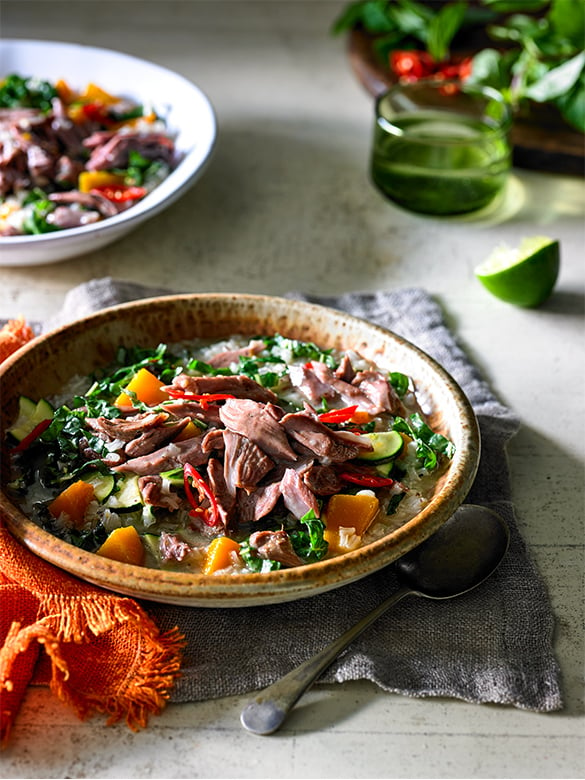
(266,712)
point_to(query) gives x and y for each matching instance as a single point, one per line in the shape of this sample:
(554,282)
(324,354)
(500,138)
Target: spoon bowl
(461,555)
(458,557)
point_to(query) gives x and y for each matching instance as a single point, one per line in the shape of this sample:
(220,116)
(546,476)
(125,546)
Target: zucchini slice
(103,484)
(30,414)
(386,445)
(127,495)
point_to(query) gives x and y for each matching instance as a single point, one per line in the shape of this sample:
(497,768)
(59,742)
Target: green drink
(436,160)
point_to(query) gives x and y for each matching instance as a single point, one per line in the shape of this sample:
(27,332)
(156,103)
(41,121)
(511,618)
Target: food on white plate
(243,455)
(70,159)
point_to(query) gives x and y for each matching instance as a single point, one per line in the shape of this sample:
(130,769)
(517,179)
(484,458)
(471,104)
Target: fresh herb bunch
(538,52)
(19,92)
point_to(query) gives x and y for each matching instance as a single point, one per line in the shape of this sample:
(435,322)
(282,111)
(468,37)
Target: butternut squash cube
(147,388)
(73,503)
(123,545)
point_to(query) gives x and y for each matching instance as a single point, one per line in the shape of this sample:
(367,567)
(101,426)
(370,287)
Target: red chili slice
(367,480)
(122,193)
(34,434)
(210,516)
(204,399)
(338,415)
(96,112)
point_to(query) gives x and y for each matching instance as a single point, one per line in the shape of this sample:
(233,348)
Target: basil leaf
(399,382)
(308,540)
(558,81)
(371,15)
(429,444)
(572,106)
(510,6)
(443,28)
(568,20)
(486,69)
(412,18)
(254,562)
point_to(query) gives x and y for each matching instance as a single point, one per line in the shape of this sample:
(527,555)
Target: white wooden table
(286,204)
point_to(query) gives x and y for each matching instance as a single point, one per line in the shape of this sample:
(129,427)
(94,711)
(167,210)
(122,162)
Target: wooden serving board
(541,142)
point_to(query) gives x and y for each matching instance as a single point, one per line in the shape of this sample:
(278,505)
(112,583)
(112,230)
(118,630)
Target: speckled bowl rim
(247,589)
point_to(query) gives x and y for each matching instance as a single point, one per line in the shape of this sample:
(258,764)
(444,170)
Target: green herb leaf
(568,20)
(429,445)
(308,541)
(253,562)
(442,29)
(572,105)
(558,81)
(511,6)
(399,382)
(17,91)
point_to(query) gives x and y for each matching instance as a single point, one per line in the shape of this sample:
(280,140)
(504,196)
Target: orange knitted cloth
(97,651)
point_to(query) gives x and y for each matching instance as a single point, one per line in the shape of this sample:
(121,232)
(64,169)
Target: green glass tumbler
(441,147)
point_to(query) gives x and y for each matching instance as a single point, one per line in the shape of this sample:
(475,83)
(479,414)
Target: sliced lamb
(153,492)
(240,386)
(110,459)
(41,164)
(275,546)
(172,547)
(322,480)
(153,438)
(208,414)
(89,200)
(172,456)
(297,497)
(309,384)
(65,217)
(316,438)
(225,493)
(345,370)
(379,390)
(245,464)
(348,393)
(213,440)
(254,421)
(227,357)
(67,171)
(259,503)
(114,153)
(125,429)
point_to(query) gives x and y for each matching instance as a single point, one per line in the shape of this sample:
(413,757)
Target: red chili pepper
(34,434)
(366,480)
(121,193)
(411,65)
(96,112)
(210,516)
(204,399)
(338,415)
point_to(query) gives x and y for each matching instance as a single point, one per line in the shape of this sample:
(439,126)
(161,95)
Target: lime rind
(525,275)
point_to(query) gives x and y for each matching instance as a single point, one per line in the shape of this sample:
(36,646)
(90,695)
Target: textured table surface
(286,204)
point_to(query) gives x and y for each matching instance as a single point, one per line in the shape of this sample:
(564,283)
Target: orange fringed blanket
(13,335)
(98,652)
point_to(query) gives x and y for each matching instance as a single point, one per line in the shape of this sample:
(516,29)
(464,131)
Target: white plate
(187,110)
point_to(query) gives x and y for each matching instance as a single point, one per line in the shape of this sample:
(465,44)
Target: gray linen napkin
(491,645)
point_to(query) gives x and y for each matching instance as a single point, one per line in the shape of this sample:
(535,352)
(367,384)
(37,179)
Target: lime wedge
(525,276)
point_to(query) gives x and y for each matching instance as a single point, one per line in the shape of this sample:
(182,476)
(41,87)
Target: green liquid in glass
(442,163)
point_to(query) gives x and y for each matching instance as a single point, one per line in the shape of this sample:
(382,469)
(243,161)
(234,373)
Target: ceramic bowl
(188,112)
(46,364)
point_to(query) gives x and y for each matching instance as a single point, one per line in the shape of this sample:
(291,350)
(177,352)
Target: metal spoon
(458,557)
